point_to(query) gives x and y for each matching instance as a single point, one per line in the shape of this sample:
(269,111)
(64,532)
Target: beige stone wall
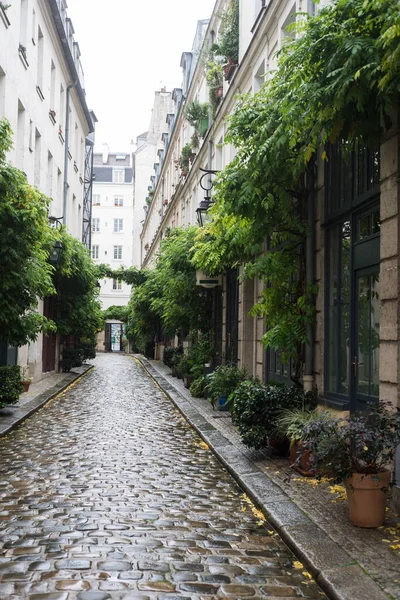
(389,366)
(319,333)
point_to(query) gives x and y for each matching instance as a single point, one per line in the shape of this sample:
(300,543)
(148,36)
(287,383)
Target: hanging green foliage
(78,310)
(168,299)
(337,81)
(25,243)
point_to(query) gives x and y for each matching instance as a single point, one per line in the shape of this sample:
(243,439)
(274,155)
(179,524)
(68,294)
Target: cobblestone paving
(376,550)
(106,493)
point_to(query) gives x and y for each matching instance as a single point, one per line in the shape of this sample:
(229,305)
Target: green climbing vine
(338,81)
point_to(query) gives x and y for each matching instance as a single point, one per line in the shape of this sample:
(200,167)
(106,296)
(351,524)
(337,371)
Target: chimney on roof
(106,150)
(163,89)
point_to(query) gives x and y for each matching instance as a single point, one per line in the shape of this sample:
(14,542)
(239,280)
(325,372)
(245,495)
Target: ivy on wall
(338,81)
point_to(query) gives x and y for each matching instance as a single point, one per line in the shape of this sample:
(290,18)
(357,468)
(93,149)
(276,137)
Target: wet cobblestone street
(107,493)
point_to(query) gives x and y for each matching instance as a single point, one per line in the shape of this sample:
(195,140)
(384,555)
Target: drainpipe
(69,88)
(308,377)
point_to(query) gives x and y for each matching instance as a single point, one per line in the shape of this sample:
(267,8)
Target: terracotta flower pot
(366,496)
(26,385)
(280,445)
(301,460)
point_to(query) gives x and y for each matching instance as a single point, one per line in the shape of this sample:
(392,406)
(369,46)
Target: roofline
(70,61)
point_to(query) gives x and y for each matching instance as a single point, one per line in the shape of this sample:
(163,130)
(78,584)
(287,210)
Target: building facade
(112,221)
(149,147)
(42,94)
(353,250)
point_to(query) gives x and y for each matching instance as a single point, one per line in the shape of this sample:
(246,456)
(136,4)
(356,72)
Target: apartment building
(353,357)
(112,221)
(42,94)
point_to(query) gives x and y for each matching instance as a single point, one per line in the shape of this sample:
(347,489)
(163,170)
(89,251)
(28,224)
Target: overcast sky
(130,49)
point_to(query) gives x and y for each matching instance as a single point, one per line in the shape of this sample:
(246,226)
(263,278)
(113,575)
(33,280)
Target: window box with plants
(185,160)
(358,451)
(52,116)
(197,116)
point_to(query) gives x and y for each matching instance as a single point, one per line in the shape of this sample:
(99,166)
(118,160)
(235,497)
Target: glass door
(366,359)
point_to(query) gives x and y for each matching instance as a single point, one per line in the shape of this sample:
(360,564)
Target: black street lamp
(55,253)
(202,216)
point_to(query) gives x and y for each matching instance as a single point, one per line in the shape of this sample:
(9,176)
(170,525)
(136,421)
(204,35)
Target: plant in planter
(222,382)
(214,78)
(359,451)
(197,387)
(172,357)
(10,384)
(257,408)
(25,379)
(293,423)
(197,115)
(186,158)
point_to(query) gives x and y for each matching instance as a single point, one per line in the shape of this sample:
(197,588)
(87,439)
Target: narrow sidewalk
(38,394)
(349,563)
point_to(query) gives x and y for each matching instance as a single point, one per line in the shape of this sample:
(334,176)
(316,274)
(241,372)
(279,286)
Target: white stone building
(112,221)
(149,151)
(345,374)
(42,94)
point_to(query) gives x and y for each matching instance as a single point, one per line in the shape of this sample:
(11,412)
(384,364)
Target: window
(118,225)
(117,252)
(118,175)
(96,199)
(352,276)
(96,225)
(118,201)
(95,252)
(117,284)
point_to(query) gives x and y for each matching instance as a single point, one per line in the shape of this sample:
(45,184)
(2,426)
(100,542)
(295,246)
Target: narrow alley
(107,493)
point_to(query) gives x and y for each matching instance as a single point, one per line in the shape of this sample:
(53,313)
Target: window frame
(118,225)
(95,221)
(118,198)
(115,179)
(114,252)
(97,251)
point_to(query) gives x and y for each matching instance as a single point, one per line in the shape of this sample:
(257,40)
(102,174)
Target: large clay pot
(300,460)
(366,496)
(26,385)
(280,445)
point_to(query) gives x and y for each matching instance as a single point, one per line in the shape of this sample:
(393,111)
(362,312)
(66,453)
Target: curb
(335,571)
(24,412)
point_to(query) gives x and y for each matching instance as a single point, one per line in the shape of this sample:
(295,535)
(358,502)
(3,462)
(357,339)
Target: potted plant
(293,423)
(222,382)
(359,452)
(25,379)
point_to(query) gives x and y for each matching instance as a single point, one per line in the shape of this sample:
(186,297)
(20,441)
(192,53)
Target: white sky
(130,49)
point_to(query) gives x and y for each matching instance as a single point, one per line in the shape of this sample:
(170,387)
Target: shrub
(170,354)
(197,388)
(88,350)
(10,384)
(364,443)
(224,380)
(71,357)
(258,406)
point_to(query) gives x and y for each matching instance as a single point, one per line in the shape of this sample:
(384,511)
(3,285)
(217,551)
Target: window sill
(4,17)
(39,92)
(335,403)
(23,58)
(259,18)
